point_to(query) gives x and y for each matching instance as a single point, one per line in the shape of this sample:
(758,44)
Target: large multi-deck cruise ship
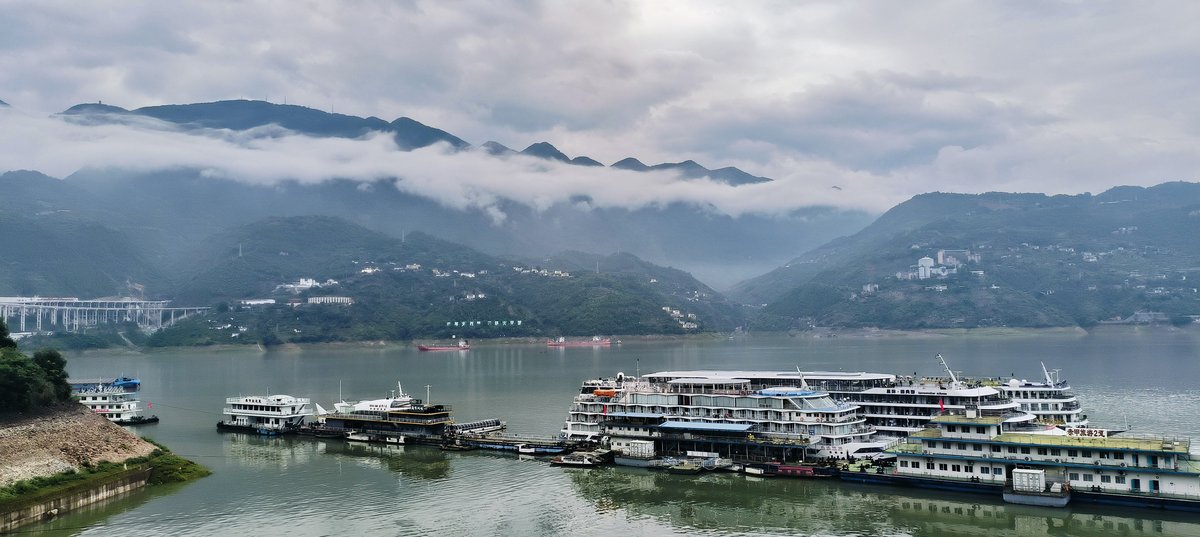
(789,412)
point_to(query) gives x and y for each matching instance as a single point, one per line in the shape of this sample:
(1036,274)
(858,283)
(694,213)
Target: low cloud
(472,179)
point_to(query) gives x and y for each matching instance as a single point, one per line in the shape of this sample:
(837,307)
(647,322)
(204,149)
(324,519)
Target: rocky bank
(62,438)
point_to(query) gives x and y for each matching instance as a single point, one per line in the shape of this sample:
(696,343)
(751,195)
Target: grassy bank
(165,467)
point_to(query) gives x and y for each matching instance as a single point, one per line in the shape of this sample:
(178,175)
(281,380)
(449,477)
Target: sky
(852,104)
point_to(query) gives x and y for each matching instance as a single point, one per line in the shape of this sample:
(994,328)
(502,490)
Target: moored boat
(461,346)
(1030,487)
(585,459)
(596,341)
(265,414)
(117,399)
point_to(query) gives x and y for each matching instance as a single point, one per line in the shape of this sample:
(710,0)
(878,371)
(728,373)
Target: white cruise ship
(899,405)
(117,399)
(267,415)
(1052,401)
(779,411)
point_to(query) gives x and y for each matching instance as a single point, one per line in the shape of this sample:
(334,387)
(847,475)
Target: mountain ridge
(409,134)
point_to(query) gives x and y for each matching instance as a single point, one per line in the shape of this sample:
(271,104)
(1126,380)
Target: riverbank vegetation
(164,466)
(26,382)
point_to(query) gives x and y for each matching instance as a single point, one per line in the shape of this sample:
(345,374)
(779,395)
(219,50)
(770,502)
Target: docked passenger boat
(725,408)
(397,415)
(984,452)
(117,399)
(461,346)
(596,341)
(265,414)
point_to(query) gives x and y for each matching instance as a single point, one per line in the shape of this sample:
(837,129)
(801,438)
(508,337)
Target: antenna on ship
(1046,372)
(803,383)
(953,379)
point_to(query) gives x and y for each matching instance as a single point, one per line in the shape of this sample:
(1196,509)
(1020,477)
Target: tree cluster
(27,383)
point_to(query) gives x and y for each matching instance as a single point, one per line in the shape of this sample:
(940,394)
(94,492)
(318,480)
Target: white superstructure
(114,403)
(397,400)
(265,414)
(1052,401)
(117,399)
(789,412)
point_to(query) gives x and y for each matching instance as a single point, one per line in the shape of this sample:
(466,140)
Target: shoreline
(818,333)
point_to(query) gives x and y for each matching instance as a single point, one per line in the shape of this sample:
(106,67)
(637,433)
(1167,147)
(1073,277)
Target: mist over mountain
(173,195)
(1013,260)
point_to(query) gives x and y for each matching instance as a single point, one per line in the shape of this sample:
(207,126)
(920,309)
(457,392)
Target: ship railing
(280,412)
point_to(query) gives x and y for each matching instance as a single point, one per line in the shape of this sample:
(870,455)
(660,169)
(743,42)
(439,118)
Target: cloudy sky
(883,100)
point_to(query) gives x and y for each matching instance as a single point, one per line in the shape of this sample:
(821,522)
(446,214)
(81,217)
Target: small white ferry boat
(397,400)
(114,398)
(265,414)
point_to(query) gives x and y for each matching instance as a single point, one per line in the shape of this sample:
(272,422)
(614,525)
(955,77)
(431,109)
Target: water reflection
(734,504)
(417,462)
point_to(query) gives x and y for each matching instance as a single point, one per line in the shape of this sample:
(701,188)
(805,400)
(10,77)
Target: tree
(6,342)
(54,369)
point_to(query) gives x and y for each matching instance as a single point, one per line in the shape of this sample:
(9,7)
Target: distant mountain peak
(4,104)
(496,148)
(94,108)
(630,163)
(545,150)
(585,161)
(691,169)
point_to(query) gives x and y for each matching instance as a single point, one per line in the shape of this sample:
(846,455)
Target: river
(303,486)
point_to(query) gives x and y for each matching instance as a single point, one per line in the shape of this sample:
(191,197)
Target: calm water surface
(299,487)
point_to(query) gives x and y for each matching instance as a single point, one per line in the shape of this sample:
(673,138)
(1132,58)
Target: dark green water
(299,487)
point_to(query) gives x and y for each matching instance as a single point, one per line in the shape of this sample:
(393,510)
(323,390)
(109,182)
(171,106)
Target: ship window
(1121,480)
(956,468)
(942,466)
(1103,454)
(1041,451)
(1086,454)
(995,449)
(1106,479)
(1087,477)
(946,445)
(929,466)
(1073,476)
(1119,456)
(1072,453)
(951,428)
(984,470)
(978,447)
(1054,452)
(1024,450)
(981,430)
(1012,449)
(904,464)
(997,470)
